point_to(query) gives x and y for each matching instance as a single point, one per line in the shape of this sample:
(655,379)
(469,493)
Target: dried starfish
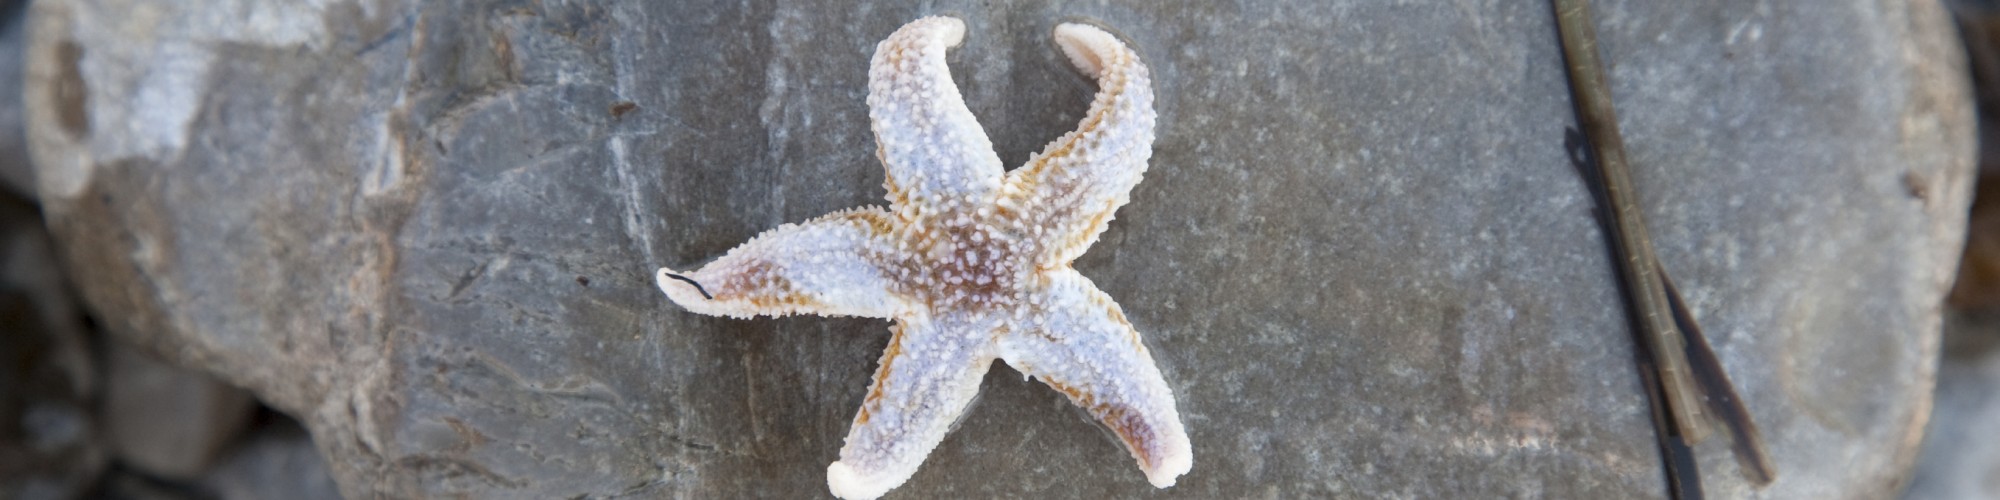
(972,263)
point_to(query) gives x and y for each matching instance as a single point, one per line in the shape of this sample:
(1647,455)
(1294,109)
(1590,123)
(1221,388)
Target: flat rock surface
(1362,256)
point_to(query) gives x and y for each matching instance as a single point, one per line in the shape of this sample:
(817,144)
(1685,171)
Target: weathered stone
(1361,256)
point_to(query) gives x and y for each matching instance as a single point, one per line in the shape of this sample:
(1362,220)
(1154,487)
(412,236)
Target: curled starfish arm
(1070,190)
(834,265)
(934,151)
(924,382)
(1081,345)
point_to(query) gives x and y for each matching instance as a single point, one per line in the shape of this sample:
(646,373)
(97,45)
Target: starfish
(971,261)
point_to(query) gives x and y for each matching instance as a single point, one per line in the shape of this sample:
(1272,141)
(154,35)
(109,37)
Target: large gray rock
(1361,257)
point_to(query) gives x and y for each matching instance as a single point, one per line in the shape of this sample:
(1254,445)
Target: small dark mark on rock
(1917,187)
(72,95)
(583,280)
(619,109)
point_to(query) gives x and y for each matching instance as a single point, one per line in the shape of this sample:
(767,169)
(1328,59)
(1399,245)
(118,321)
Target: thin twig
(1677,462)
(1645,292)
(1680,370)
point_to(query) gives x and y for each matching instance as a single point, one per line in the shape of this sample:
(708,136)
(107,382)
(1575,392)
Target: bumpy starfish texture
(971,261)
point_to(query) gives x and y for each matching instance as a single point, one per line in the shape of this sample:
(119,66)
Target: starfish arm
(835,265)
(1070,190)
(1081,345)
(927,377)
(932,148)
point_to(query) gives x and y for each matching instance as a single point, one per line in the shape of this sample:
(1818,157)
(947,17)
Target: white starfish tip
(951,29)
(846,483)
(1086,45)
(1170,469)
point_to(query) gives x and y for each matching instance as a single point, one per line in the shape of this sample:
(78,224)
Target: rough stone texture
(1959,459)
(1361,256)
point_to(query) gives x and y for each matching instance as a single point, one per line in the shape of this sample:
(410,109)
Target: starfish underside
(971,261)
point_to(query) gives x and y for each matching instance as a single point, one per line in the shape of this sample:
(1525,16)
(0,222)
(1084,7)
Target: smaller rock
(16,174)
(1978,283)
(277,460)
(127,484)
(48,443)
(165,420)
(1958,458)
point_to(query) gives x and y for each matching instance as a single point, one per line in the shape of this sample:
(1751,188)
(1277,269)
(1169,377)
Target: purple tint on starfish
(971,261)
